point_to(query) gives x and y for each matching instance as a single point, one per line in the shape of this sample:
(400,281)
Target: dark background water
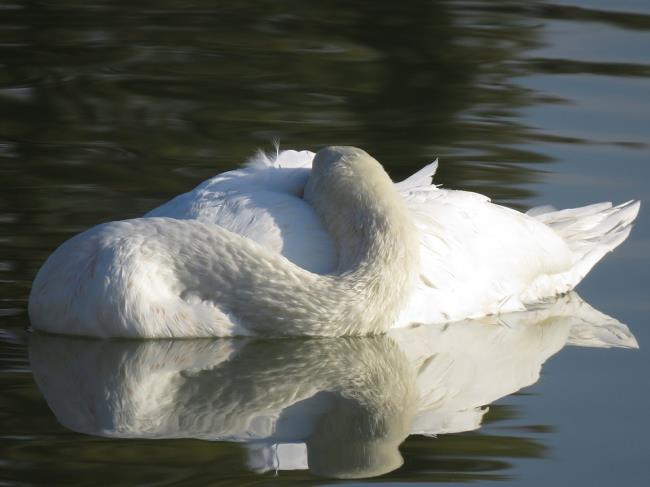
(107,110)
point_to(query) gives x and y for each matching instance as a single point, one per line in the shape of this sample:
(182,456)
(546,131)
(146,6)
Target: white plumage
(281,248)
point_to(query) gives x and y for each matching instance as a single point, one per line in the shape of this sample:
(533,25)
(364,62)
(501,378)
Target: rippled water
(107,111)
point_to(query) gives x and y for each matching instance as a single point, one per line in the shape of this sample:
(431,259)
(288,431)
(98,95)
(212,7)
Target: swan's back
(263,202)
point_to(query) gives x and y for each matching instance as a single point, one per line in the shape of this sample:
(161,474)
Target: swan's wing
(479,258)
(286,175)
(263,202)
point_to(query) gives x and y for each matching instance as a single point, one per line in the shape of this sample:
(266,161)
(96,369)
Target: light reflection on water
(108,111)
(338,407)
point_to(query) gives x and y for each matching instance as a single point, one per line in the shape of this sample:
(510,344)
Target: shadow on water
(337,407)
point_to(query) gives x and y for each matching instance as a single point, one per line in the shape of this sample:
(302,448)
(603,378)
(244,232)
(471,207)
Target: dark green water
(107,111)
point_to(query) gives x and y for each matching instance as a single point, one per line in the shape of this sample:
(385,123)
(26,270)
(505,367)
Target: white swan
(338,407)
(284,247)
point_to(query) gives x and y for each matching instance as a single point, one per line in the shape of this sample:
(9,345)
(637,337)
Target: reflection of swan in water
(363,255)
(339,407)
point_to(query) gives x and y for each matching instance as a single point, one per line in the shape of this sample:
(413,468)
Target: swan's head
(351,193)
(341,172)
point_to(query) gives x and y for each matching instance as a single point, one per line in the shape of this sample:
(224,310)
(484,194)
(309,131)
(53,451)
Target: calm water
(108,111)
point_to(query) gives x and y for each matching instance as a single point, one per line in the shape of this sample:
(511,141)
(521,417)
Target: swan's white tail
(590,231)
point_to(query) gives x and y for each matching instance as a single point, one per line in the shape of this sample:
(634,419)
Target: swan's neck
(379,264)
(376,241)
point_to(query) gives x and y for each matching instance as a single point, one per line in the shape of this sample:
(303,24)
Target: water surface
(108,111)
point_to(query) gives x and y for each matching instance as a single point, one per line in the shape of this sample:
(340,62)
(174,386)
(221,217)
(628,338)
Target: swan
(319,244)
(340,407)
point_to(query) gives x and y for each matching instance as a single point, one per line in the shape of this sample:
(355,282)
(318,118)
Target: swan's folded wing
(286,174)
(477,258)
(263,202)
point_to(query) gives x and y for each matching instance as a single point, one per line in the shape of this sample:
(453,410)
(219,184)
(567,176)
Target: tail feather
(547,213)
(591,232)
